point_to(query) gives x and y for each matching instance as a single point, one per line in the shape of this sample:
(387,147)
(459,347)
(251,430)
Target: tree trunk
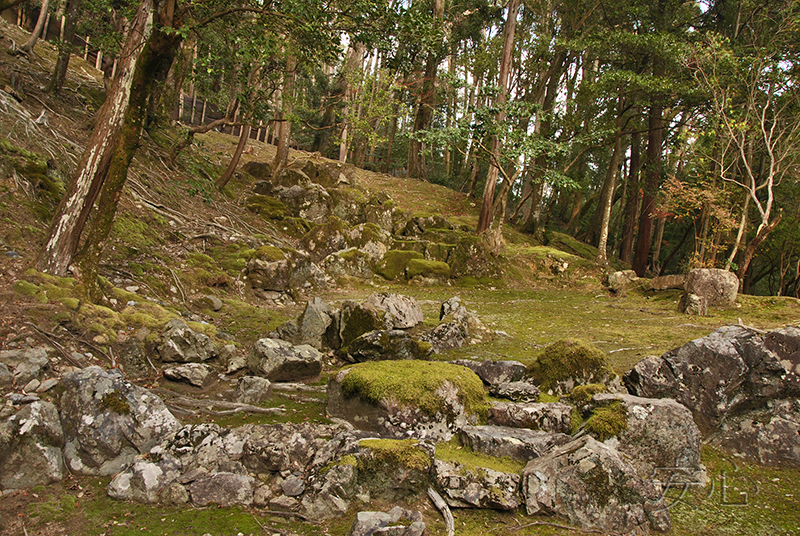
(750,251)
(650,190)
(282,152)
(237,155)
(72,11)
(607,199)
(632,201)
(75,206)
(509,30)
(8,4)
(27,48)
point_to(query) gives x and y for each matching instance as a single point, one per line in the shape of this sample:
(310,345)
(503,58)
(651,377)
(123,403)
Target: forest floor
(166,248)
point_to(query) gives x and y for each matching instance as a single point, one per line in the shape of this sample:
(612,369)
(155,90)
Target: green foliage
(414,383)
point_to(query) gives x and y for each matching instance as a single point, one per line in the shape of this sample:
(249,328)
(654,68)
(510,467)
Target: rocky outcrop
(718,287)
(108,421)
(280,361)
(179,343)
(729,371)
(464,487)
(660,436)
(591,485)
(30,447)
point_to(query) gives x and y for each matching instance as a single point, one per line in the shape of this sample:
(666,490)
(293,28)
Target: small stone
(132,288)
(293,486)
(47,385)
(284,503)
(100,339)
(31,386)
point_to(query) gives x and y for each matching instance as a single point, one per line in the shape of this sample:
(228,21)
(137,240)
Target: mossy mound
(395,262)
(414,383)
(582,394)
(267,207)
(425,268)
(566,364)
(397,453)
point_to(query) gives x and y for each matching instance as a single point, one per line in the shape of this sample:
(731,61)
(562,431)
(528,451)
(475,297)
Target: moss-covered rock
(428,269)
(267,207)
(386,344)
(394,263)
(566,364)
(322,240)
(607,421)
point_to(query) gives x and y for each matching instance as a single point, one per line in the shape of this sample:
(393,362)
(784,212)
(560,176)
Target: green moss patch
(582,394)
(608,421)
(413,383)
(397,453)
(267,207)
(115,402)
(453,452)
(395,262)
(269,254)
(424,268)
(569,360)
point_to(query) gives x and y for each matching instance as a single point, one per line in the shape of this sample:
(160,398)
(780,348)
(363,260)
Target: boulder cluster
(344,233)
(582,444)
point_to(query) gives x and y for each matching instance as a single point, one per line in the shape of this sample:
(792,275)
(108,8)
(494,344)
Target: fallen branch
(283,386)
(440,505)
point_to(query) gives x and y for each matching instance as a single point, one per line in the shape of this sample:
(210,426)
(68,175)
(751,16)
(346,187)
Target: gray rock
(494,372)
(253,389)
(5,375)
(235,361)
(331,493)
(293,486)
(312,202)
(518,443)
(209,302)
(718,287)
(108,421)
(769,435)
(31,386)
(47,385)
(352,321)
(549,416)
(622,280)
(517,391)
(296,270)
(661,440)
(279,360)
(446,336)
(30,447)
(403,312)
(133,359)
(592,486)
(313,323)
(223,489)
(285,447)
(453,306)
(484,488)
(350,262)
(181,344)
(25,364)
(386,524)
(193,373)
(143,481)
(380,345)
(729,371)
(284,503)
(665,282)
(693,305)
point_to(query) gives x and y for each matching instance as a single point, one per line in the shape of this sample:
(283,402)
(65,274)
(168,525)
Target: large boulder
(252,390)
(516,391)
(351,262)
(30,447)
(352,321)
(446,336)
(734,369)
(144,481)
(108,421)
(179,343)
(618,281)
(660,435)
(272,269)
(466,487)
(222,489)
(311,326)
(311,202)
(193,373)
(591,485)
(387,523)
(718,287)
(495,372)
(666,282)
(329,173)
(547,416)
(518,443)
(404,311)
(768,435)
(280,361)
(399,399)
(379,345)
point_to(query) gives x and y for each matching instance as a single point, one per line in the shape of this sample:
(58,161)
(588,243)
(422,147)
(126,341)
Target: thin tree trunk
(509,29)
(27,48)
(72,11)
(607,199)
(282,152)
(659,238)
(237,155)
(653,176)
(747,256)
(75,206)
(632,201)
